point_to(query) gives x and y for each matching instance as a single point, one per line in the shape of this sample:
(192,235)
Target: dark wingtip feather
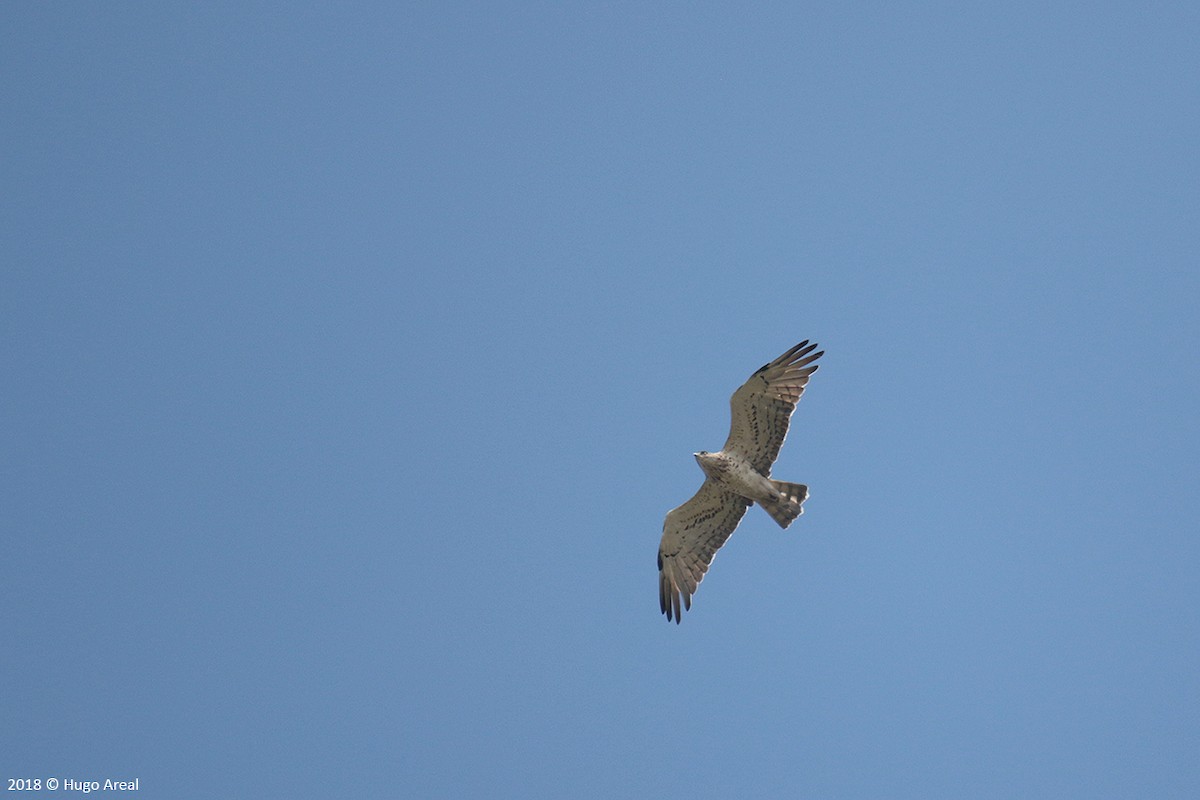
(794,354)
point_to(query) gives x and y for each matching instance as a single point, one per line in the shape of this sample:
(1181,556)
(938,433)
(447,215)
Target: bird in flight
(737,477)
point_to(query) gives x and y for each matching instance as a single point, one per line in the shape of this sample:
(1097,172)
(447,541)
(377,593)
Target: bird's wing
(764,404)
(692,534)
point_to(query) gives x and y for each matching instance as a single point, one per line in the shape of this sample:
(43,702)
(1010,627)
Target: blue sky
(354,354)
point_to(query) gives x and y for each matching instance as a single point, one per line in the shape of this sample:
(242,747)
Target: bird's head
(709,462)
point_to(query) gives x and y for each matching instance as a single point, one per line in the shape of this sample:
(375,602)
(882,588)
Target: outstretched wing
(692,535)
(764,404)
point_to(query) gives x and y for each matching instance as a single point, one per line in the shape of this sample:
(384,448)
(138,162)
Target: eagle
(737,477)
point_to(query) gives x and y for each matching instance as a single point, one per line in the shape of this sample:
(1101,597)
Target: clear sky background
(354,353)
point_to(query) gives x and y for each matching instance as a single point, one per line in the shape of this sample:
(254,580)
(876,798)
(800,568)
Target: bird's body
(736,477)
(736,474)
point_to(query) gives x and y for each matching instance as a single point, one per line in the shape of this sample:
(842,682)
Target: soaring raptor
(737,477)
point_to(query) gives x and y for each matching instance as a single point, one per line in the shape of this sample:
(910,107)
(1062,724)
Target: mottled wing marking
(763,406)
(692,534)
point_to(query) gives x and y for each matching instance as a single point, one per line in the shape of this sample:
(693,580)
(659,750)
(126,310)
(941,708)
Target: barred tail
(788,504)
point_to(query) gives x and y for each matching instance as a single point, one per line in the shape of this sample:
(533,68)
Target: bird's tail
(788,504)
